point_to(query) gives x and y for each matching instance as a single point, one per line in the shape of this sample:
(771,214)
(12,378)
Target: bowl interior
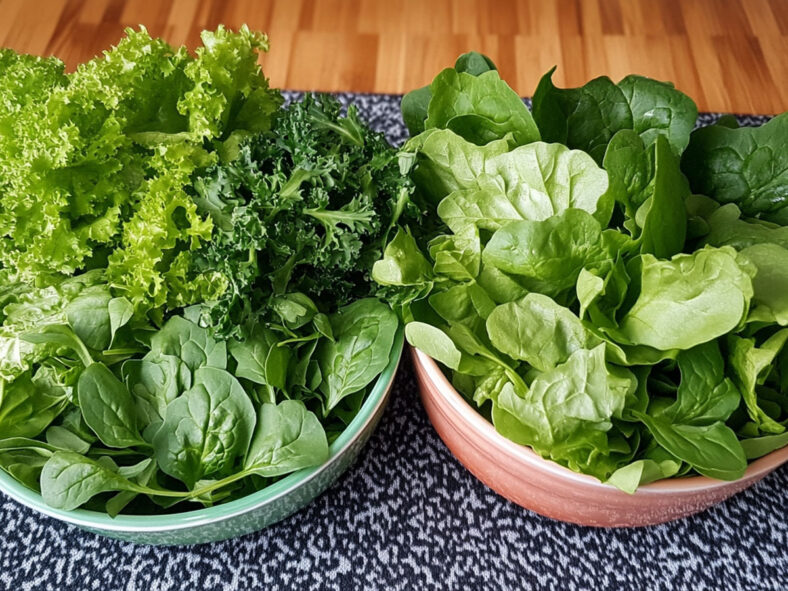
(478,423)
(188,519)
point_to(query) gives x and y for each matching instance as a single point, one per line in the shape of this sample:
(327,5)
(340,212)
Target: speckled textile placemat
(408,516)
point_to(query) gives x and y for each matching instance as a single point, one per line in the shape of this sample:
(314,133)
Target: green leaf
(457,256)
(154,381)
(69,480)
(61,336)
(568,410)
(88,315)
(404,265)
(261,360)
(191,343)
(414,108)
(120,313)
(288,437)
(548,255)
(587,118)
(364,335)
(141,473)
(540,180)
(576,395)
(63,438)
(747,166)
(751,366)
(727,228)
(537,330)
(757,447)
(108,407)
(628,478)
(480,108)
(474,63)
(295,309)
(770,284)
(704,394)
(648,182)
(206,428)
(688,300)
(433,342)
(713,450)
(28,405)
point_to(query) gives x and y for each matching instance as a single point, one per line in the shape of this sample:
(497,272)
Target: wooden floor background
(729,55)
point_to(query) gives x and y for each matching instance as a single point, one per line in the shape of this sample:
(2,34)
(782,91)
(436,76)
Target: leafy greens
(578,293)
(186,310)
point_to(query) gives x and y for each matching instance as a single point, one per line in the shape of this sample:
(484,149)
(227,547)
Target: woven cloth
(408,516)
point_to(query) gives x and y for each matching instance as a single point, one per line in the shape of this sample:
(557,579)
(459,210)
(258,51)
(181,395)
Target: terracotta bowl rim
(526,455)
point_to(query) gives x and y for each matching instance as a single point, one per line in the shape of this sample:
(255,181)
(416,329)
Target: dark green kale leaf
(306,208)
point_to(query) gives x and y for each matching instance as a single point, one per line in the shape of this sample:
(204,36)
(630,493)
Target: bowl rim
(198,517)
(691,484)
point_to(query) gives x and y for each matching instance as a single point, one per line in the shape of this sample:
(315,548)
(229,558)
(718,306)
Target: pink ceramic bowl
(517,473)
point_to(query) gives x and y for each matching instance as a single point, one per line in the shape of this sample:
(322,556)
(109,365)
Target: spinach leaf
(414,109)
(29,404)
(548,255)
(770,284)
(191,343)
(757,447)
(713,450)
(628,478)
(479,107)
(88,315)
(63,438)
(69,480)
(154,381)
(692,298)
(751,366)
(434,342)
(457,256)
(648,182)
(206,428)
(539,179)
(415,104)
(588,117)
(568,410)
(288,437)
(108,407)
(537,330)
(364,334)
(261,359)
(704,394)
(747,166)
(725,227)
(120,313)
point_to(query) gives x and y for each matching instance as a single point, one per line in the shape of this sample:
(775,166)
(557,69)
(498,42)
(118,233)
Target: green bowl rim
(189,519)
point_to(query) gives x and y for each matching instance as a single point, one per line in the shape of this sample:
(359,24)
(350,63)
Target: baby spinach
(577,291)
(206,428)
(288,437)
(747,166)
(188,312)
(108,407)
(588,117)
(190,343)
(363,334)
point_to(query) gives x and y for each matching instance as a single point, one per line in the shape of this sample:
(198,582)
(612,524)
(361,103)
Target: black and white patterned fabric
(408,516)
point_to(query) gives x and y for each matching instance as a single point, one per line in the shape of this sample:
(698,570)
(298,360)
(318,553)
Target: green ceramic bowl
(242,516)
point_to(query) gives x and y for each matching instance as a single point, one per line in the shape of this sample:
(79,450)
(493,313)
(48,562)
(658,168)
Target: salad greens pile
(604,284)
(186,308)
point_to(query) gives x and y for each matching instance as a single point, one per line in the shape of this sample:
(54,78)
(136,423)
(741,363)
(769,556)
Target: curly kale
(306,208)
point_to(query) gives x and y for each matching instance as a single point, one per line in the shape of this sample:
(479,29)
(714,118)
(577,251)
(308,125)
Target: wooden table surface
(729,55)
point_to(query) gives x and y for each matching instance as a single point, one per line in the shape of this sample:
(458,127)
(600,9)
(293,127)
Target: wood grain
(729,55)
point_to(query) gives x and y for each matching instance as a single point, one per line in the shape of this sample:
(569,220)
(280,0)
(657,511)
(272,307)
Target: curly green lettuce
(97,165)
